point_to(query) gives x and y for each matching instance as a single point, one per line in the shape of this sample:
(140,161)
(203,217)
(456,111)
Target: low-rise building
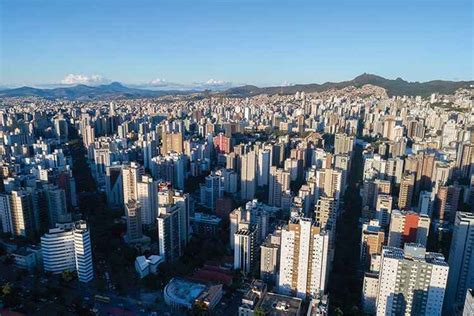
(182,294)
(27,258)
(145,266)
(258,300)
(205,224)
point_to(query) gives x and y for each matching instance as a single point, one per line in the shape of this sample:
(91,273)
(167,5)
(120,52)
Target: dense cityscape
(236,158)
(347,201)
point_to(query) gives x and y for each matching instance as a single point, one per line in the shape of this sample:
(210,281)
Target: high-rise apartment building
(68,248)
(270,257)
(131,175)
(279,182)
(22,213)
(407,186)
(134,223)
(461,262)
(411,281)
(172,142)
(303,258)
(465,160)
(447,202)
(325,214)
(424,173)
(5,213)
(245,247)
(56,205)
(408,227)
(169,233)
(147,190)
(114,186)
(343,144)
(328,183)
(88,138)
(248,175)
(212,189)
(222,144)
(171,168)
(468,309)
(383,209)
(372,241)
(263,167)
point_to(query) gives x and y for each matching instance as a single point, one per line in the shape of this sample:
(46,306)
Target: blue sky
(233,42)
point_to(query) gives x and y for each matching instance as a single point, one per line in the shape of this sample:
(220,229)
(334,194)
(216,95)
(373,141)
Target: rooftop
(184,292)
(280,305)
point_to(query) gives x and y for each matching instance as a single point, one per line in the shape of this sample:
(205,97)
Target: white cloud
(163,84)
(214,82)
(84,79)
(158,82)
(287,84)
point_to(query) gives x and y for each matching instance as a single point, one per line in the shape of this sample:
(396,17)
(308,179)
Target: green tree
(6,289)
(67,276)
(259,311)
(338,312)
(200,309)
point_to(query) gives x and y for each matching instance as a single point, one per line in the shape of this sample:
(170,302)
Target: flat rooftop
(280,305)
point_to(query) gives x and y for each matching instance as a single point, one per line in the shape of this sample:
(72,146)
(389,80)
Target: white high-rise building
(408,227)
(185,206)
(171,168)
(270,257)
(245,247)
(279,182)
(147,190)
(461,262)
(131,174)
(325,213)
(235,217)
(303,259)
(329,183)
(343,144)
(248,175)
(88,137)
(468,309)
(150,150)
(450,133)
(383,209)
(370,289)
(83,252)
(411,281)
(68,248)
(293,167)
(22,213)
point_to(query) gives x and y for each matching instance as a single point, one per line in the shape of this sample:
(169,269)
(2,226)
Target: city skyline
(221,44)
(223,157)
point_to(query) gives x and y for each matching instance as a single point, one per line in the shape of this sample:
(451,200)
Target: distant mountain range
(82,92)
(117,90)
(393,87)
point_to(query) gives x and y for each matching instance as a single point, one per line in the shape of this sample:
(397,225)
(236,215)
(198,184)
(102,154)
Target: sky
(228,43)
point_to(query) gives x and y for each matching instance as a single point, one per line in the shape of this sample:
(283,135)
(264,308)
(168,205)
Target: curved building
(68,248)
(182,294)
